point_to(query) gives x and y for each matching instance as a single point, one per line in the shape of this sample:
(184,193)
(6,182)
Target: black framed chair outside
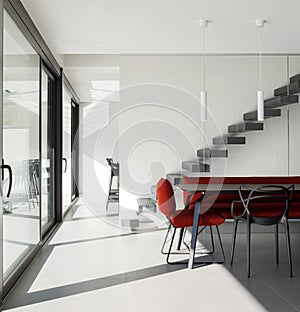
(113,193)
(265,205)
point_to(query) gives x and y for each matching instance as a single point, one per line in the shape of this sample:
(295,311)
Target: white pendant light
(203,102)
(260,93)
(203,95)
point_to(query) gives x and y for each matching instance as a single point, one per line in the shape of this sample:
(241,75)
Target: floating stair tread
(246,126)
(174,178)
(212,153)
(268,113)
(195,166)
(292,88)
(279,101)
(229,140)
(295,78)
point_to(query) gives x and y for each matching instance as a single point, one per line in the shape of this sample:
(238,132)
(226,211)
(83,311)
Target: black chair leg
(170,248)
(165,240)
(276,244)
(180,238)
(221,244)
(208,253)
(170,251)
(288,242)
(199,232)
(185,261)
(212,240)
(233,240)
(248,247)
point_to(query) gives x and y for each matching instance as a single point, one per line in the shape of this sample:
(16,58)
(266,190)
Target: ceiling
(90,81)
(76,27)
(165,26)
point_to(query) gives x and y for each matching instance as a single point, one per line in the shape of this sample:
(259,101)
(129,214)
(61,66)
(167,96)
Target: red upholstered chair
(264,205)
(183,218)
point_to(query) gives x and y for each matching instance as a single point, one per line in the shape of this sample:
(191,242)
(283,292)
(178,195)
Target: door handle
(66,164)
(8,167)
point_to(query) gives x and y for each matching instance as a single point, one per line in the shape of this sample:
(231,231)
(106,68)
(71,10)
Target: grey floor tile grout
(259,286)
(278,294)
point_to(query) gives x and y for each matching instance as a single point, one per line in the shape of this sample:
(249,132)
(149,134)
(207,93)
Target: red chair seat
(184,218)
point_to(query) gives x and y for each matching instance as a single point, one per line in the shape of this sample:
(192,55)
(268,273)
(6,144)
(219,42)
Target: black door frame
(75,149)
(53,127)
(74,163)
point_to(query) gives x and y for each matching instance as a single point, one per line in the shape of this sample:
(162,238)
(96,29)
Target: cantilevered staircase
(283,96)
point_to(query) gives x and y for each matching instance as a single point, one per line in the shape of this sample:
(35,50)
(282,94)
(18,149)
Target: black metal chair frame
(278,193)
(113,194)
(181,237)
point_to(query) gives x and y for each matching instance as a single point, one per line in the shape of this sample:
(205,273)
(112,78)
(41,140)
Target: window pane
(21,220)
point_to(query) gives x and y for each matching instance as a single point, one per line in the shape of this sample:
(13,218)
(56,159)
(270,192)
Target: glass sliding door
(30,144)
(67,154)
(70,159)
(20,163)
(75,150)
(47,150)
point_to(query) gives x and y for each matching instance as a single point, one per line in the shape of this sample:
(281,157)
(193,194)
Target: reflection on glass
(66,166)
(47,152)
(21,213)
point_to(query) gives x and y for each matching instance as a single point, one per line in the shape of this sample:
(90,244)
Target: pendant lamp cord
(203,83)
(259,58)
(203,59)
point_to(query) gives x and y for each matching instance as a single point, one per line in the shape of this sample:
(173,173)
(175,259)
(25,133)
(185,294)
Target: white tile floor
(90,265)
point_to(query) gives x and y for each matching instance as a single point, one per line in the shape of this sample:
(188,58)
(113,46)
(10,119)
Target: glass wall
(30,145)
(21,207)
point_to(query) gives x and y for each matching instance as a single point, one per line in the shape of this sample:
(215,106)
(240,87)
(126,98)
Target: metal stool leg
(109,192)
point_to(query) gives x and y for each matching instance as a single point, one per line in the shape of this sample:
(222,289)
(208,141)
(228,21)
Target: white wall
(294,125)
(99,128)
(159,118)
(232,85)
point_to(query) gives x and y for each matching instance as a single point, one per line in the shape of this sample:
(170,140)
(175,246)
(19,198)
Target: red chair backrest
(165,197)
